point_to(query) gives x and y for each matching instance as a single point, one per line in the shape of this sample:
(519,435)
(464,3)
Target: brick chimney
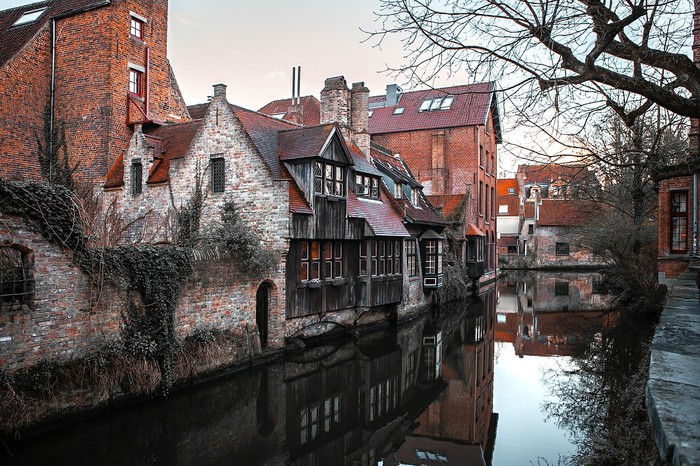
(335,104)
(295,113)
(220,91)
(359,118)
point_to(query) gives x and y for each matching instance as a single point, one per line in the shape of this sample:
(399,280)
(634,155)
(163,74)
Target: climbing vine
(52,152)
(190,214)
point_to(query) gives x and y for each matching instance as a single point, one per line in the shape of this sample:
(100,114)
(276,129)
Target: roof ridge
(271,118)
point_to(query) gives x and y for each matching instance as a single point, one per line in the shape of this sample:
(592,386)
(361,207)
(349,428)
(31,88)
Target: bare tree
(558,62)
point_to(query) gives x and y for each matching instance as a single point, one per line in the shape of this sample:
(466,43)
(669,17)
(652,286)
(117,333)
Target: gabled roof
(14,38)
(560,212)
(310,105)
(448,202)
(304,142)
(380,215)
(470,107)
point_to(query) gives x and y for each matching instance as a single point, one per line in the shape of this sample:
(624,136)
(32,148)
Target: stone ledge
(673,389)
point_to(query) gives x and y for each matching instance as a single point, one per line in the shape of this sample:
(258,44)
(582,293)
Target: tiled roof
(297,202)
(115,176)
(381,217)
(394,167)
(263,131)
(361,164)
(503,184)
(425,214)
(198,111)
(310,105)
(448,202)
(13,39)
(559,212)
(550,172)
(171,142)
(513,203)
(303,142)
(473,230)
(470,108)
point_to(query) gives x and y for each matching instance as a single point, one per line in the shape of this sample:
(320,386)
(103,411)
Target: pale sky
(252,45)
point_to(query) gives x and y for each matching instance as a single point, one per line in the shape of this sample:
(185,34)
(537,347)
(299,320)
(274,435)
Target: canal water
(469,384)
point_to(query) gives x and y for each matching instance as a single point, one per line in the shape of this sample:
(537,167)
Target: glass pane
(329,172)
(315,269)
(318,169)
(339,173)
(304,250)
(315,250)
(338,269)
(304,271)
(328,250)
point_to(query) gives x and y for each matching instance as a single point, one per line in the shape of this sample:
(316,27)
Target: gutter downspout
(695,214)
(53,82)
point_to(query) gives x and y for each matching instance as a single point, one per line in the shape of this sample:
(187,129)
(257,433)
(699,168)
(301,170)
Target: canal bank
(673,388)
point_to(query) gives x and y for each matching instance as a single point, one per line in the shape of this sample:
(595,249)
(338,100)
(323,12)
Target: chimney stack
(335,106)
(393,94)
(359,123)
(220,91)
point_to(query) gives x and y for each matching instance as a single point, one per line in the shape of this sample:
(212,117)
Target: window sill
(309,284)
(136,97)
(337,281)
(137,39)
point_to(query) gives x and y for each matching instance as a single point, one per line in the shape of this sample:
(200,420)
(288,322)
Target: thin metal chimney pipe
(293,82)
(298,84)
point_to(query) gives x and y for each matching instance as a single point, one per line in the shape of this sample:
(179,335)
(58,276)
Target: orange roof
(473,230)
(115,176)
(502,186)
(552,171)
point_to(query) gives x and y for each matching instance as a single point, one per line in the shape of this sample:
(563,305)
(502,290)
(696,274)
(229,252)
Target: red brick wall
(24,93)
(93,52)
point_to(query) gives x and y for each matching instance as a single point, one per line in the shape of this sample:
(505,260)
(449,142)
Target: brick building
(678,201)
(49,54)
(449,138)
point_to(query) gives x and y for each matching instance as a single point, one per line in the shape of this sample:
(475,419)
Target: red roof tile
(303,142)
(198,111)
(449,203)
(550,172)
(473,230)
(529,210)
(310,105)
(469,108)
(171,142)
(297,202)
(115,176)
(361,164)
(503,184)
(13,39)
(513,203)
(559,212)
(381,217)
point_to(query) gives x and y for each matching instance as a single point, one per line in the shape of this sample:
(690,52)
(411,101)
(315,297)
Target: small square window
(561,289)
(136,177)
(29,17)
(503,209)
(399,110)
(136,28)
(135,81)
(511,190)
(562,249)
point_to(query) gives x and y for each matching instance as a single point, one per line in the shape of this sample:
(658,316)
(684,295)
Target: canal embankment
(673,388)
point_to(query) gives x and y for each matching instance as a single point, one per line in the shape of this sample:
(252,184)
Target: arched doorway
(262,311)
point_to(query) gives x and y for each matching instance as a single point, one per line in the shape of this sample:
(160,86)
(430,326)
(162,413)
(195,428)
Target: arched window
(15,278)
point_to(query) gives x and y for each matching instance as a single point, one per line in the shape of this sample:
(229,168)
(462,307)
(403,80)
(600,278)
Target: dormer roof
(470,106)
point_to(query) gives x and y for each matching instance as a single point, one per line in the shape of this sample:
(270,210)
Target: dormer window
(437,103)
(399,110)
(29,17)
(329,179)
(137,25)
(367,186)
(414,197)
(398,190)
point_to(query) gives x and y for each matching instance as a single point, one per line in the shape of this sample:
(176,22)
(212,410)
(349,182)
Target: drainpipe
(695,214)
(53,81)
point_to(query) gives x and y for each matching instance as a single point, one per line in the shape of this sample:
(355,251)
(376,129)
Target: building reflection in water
(421,393)
(544,313)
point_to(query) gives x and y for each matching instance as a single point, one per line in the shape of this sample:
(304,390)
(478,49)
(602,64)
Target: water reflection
(421,393)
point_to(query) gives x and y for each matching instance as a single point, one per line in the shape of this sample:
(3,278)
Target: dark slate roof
(310,105)
(380,215)
(304,142)
(198,111)
(394,168)
(13,39)
(361,165)
(561,212)
(297,201)
(448,202)
(469,108)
